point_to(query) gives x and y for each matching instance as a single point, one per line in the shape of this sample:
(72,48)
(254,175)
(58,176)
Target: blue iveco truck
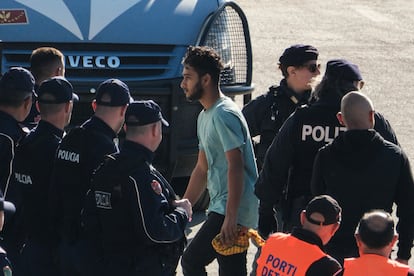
(140,42)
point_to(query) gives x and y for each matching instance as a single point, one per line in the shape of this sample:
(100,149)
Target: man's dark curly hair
(204,60)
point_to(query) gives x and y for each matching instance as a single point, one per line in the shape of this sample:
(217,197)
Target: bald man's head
(357,111)
(376,229)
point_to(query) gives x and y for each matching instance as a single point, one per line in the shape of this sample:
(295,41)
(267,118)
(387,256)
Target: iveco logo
(93,62)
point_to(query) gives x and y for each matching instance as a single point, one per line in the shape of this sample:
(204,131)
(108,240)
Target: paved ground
(377,35)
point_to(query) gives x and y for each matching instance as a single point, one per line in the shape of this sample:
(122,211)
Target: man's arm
(235,185)
(198,179)
(405,211)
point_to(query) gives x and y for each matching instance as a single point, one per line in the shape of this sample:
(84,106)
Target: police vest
(286,255)
(371,264)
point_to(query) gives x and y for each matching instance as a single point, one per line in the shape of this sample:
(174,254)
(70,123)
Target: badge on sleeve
(156,186)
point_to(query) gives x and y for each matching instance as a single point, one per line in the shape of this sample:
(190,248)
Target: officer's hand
(267,224)
(186,205)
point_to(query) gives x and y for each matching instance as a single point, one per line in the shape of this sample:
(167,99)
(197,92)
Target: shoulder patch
(156,186)
(103,200)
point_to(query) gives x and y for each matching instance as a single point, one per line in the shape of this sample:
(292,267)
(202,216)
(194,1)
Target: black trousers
(200,252)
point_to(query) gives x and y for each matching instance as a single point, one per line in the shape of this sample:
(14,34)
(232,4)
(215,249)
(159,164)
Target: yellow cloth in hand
(241,243)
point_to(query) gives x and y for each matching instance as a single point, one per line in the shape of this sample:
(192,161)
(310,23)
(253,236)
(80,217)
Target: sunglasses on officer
(312,67)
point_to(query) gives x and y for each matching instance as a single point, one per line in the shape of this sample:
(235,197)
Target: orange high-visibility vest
(286,255)
(372,264)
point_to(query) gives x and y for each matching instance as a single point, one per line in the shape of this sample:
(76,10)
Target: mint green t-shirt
(222,128)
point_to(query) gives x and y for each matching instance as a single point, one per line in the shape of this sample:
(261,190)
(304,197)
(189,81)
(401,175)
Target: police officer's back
(285,177)
(16,89)
(79,153)
(128,193)
(32,170)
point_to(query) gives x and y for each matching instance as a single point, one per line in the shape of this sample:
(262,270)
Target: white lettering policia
(23,178)
(321,133)
(68,156)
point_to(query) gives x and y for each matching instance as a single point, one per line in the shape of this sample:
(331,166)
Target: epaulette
(274,89)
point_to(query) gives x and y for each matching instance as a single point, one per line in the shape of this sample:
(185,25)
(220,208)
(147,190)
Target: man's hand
(186,205)
(229,231)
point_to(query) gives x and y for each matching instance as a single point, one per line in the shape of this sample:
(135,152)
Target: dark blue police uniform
(80,152)
(142,232)
(266,114)
(29,188)
(16,87)
(10,135)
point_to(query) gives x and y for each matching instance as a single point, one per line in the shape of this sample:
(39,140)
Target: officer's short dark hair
(204,60)
(376,229)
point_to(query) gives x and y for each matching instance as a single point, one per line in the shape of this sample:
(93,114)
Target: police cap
(141,113)
(298,54)
(56,90)
(113,92)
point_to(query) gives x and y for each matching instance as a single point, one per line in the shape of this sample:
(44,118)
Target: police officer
(301,253)
(376,237)
(16,90)
(130,194)
(363,172)
(286,174)
(266,114)
(31,176)
(79,153)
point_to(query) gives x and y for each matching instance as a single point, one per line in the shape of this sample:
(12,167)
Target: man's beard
(198,93)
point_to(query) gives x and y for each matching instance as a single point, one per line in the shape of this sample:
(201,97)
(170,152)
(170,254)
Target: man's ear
(68,106)
(394,240)
(27,102)
(302,217)
(37,106)
(358,240)
(123,110)
(340,118)
(291,70)
(372,117)
(205,80)
(93,104)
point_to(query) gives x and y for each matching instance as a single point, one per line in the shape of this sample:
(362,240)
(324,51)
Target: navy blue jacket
(79,154)
(362,171)
(130,204)
(30,185)
(10,135)
(266,114)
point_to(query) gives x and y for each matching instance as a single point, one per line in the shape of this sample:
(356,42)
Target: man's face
(191,84)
